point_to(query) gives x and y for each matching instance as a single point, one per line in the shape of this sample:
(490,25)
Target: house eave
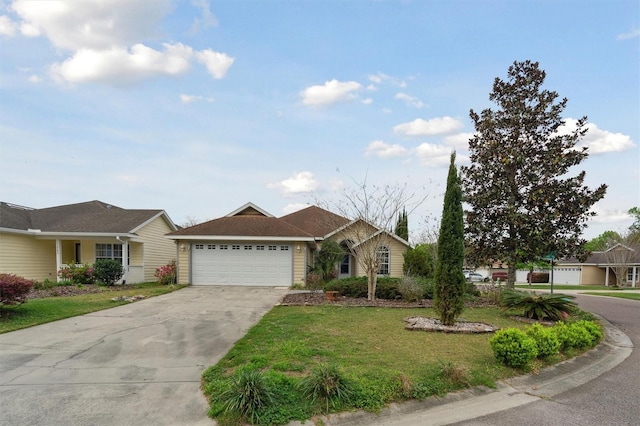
(236,238)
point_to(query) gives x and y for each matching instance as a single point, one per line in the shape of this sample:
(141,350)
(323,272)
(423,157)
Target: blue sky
(198,107)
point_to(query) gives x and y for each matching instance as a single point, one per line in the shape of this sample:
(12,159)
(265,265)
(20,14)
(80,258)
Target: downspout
(125,258)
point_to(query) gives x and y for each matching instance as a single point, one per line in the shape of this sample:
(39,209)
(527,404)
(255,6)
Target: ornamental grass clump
(325,383)
(542,306)
(247,394)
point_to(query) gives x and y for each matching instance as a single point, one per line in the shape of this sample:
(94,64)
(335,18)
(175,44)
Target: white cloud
(187,99)
(383,150)
(459,141)
(381,78)
(29,30)
(435,126)
(299,183)
(597,140)
(367,101)
(35,79)
(7,26)
(331,92)
(217,63)
(120,66)
(207,19)
(76,25)
(434,155)
(635,33)
(108,39)
(610,216)
(410,100)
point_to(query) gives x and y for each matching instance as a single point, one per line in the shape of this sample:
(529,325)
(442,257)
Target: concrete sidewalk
(136,364)
(473,403)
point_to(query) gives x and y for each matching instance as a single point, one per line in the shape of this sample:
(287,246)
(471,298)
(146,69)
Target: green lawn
(632,296)
(383,361)
(40,311)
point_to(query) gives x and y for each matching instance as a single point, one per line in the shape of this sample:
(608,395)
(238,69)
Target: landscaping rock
(433,324)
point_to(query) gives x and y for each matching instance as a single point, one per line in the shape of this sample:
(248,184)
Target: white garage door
(242,263)
(563,275)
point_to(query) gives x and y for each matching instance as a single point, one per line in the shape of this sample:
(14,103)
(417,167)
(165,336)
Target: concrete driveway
(137,364)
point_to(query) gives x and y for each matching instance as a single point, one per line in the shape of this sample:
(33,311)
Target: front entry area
(242,263)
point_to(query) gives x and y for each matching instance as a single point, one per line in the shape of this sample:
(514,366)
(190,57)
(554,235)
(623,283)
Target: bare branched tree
(373,211)
(622,256)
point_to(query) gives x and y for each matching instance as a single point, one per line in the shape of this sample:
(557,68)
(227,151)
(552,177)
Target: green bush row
(517,348)
(406,288)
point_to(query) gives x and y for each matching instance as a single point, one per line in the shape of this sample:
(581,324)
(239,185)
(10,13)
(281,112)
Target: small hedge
(386,287)
(517,348)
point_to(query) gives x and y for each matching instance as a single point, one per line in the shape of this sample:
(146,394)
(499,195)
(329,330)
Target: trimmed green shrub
(326,383)
(14,289)
(538,306)
(77,274)
(107,271)
(513,347)
(578,335)
(546,340)
(246,395)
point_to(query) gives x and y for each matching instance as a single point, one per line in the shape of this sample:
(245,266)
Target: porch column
(606,277)
(634,276)
(125,261)
(58,258)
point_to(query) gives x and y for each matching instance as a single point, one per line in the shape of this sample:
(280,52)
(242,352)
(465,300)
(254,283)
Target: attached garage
(242,263)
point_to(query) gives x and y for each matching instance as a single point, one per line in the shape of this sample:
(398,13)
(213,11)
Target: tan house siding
(396,252)
(184,262)
(158,250)
(299,263)
(592,275)
(28,257)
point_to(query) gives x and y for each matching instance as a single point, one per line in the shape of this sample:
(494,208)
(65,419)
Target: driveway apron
(137,364)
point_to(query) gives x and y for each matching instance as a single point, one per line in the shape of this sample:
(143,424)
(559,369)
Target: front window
(629,274)
(383,258)
(109,251)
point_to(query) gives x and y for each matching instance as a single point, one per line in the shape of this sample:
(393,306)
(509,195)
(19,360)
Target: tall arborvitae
(402,226)
(448,292)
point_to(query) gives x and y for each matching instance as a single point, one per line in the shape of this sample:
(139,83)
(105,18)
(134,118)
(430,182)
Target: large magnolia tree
(524,202)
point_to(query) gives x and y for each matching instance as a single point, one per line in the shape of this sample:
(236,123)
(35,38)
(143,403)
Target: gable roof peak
(249,209)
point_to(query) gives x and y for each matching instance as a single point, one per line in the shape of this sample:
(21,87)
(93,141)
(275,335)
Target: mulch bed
(302,299)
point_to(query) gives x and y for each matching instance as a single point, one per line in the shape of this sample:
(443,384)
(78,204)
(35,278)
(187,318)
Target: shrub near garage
(14,289)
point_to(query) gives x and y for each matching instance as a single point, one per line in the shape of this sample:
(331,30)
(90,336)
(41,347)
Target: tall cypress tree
(402,226)
(448,294)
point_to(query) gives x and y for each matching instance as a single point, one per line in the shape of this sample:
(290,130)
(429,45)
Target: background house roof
(90,217)
(315,221)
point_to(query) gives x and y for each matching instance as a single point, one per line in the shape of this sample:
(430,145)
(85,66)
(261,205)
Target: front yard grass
(40,311)
(383,361)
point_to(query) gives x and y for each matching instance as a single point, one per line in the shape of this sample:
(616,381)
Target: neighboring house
(600,267)
(252,247)
(36,243)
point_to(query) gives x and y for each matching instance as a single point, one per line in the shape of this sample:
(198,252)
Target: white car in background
(475,277)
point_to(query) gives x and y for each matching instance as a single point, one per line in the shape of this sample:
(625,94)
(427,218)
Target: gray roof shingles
(88,217)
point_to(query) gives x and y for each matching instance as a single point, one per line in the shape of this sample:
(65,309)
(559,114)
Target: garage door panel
(247,264)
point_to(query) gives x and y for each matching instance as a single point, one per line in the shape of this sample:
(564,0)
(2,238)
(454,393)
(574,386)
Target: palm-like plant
(538,306)
(326,383)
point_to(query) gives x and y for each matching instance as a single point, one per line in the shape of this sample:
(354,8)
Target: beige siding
(299,262)
(158,250)
(28,257)
(592,275)
(184,262)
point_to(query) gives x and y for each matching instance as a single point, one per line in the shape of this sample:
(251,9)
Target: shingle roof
(315,221)
(88,217)
(244,225)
